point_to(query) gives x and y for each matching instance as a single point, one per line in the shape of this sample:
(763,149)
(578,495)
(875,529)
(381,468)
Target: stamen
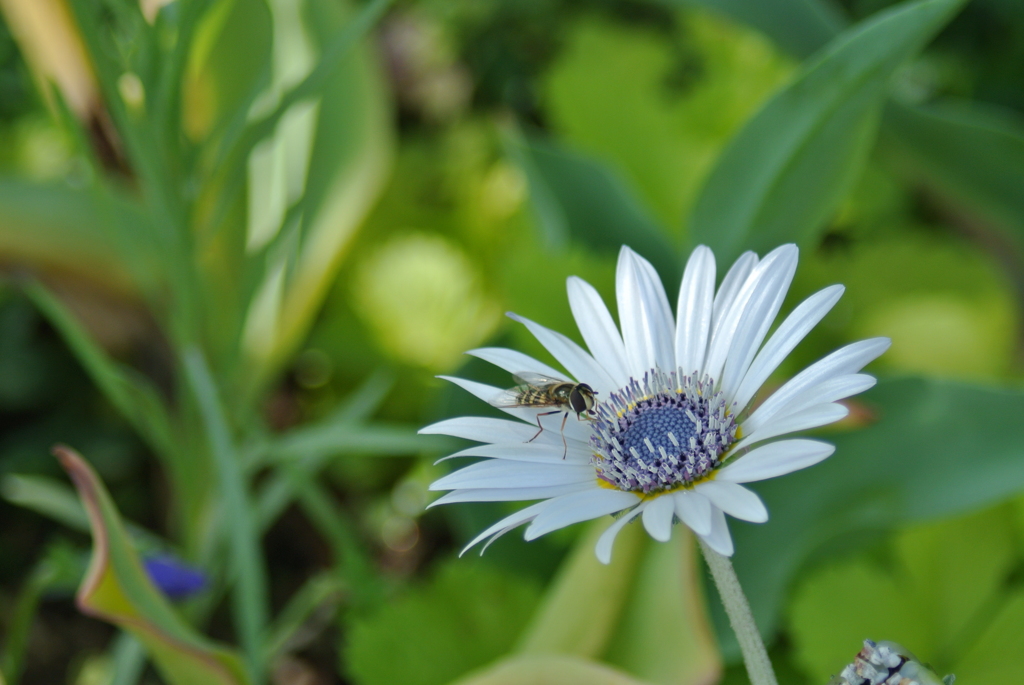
(660,432)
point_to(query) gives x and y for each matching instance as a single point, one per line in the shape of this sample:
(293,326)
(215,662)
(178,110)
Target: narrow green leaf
(129,656)
(130,392)
(577,198)
(322,440)
(320,592)
(548,669)
(116,589)
(783,175)
(965,151)
(248,565)
(47,497)
(920,461)
(800,27)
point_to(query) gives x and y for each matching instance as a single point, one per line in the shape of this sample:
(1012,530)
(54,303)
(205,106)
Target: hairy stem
(755,656)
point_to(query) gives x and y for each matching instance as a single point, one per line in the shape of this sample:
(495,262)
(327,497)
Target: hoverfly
(536,390)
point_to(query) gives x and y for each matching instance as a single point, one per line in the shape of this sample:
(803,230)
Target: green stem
(755,656)
(249,603)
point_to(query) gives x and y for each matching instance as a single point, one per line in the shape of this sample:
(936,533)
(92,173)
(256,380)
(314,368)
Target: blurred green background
(239,239)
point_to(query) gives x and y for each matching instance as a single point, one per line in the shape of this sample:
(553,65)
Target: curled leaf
(117,589)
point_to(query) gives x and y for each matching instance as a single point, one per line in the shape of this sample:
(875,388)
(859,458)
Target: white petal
(510,494)
(647,327)
(575,429)
(574,358)
(734,499)
(797,325)
(812,417)
(658,518)
(579,506)
(730,288)
(598,329)
(604,543)
(739,323)
(503,473)
(693,314)
(531,451)
(838,388)
(483,429)
(845,360)
(719,539)
(506,524)
(776,459)
(763,306)
(514,362)
(694,510)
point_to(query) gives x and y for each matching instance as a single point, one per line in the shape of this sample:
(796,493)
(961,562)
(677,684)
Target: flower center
(661,433)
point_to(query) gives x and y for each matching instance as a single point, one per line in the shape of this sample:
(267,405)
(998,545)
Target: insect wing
(536,380)
(513,397)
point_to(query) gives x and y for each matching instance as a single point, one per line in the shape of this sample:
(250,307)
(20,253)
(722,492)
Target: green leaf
(237,515)
(995,655)
(90,234)
(130,392)
(576,197)
(783,175)
(657,105)
(968,152)
(664,635)
(800,27)
(583,605)
(919,461)
(116,589)
(47,497)
(322,591)
(934,595)
(548,669)
(315,166)
(466,616)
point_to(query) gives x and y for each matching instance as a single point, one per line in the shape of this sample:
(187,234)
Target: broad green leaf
(783,175)
(664,635)
(583,605)
(577,198)
(130,392)
(968,152)
(466,616)
(116,589)
(56,227)
(939,448)
(312,182)
(633,97)
(945,304)
(548,669)
(995,655)
(800,27)
(934,596)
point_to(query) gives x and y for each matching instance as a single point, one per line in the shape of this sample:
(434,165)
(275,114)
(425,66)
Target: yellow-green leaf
(116,589)
(549,669)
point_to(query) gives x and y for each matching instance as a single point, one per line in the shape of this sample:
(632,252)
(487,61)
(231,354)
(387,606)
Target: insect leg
(565,446)
(540,427)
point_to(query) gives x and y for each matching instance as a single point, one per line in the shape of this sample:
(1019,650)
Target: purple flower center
(666,431)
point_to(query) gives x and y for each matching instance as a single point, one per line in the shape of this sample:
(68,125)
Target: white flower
(670,437)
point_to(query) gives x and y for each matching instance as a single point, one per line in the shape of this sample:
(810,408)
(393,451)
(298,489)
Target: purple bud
(173,577)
